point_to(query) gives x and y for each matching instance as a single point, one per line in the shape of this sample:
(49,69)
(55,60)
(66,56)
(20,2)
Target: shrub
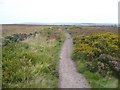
(92,47)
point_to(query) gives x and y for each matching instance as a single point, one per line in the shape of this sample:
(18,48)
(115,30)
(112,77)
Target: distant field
(13,29)
(91,30)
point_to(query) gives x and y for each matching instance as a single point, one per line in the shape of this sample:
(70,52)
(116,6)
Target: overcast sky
(59,11)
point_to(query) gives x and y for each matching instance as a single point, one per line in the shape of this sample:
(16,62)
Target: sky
(58,11)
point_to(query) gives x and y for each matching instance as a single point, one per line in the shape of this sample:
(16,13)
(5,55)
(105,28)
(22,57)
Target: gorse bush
(101,52)
(97,57)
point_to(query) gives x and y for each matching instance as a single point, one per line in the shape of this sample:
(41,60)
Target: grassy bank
(97,57)
(33,63)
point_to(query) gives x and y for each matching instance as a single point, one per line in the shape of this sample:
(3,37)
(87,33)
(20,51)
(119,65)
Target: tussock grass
(32,63)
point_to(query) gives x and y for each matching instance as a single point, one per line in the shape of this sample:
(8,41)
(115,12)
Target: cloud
(94,11)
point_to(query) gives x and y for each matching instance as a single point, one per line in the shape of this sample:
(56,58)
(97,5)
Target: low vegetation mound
(99,53)
(33,62)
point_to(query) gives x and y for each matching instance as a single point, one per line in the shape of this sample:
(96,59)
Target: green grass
(32,63)
(95,79)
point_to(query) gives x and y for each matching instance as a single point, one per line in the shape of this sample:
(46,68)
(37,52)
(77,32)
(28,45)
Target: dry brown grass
(13,29)
(91,30)
(9,29)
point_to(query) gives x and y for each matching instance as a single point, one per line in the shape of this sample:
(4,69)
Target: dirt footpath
(69,77)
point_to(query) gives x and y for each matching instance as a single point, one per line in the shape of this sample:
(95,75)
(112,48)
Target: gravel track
(69,77)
